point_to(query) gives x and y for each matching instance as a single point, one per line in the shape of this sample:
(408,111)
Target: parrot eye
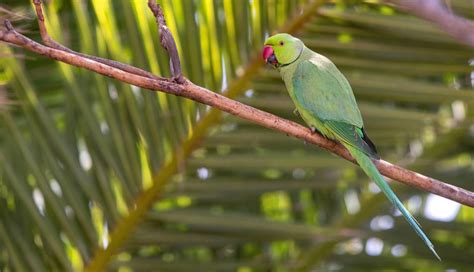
(282,43)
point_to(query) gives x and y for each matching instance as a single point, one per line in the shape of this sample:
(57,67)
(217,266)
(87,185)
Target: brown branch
(167,41)
(205,96)
(48,41)
(438,13)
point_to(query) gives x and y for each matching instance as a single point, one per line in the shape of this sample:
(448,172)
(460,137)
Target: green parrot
(324,99)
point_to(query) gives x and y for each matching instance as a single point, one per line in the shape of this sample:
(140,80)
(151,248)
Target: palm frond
(84,158)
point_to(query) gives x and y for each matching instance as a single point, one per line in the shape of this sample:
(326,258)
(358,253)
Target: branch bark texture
(437,12)
(187,89)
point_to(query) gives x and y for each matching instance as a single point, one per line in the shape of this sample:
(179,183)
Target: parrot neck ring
(269,56)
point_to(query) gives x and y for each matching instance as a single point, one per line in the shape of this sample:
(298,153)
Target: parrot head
(282,49)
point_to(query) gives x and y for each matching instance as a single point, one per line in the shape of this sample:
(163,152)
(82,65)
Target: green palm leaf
(162,183)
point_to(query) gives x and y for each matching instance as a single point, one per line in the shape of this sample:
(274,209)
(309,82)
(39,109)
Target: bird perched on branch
(324,99)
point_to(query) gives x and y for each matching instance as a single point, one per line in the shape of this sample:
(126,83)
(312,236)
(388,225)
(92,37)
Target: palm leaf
(84,158)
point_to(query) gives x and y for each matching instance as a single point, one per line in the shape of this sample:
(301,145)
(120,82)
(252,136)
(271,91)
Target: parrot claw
(313,131)
(296,112)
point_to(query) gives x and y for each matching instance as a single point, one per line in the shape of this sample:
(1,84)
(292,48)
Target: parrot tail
(369,168)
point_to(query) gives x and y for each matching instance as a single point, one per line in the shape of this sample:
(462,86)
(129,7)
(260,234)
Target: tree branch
(167,41)
(438,13)
(191,91)
(48,41)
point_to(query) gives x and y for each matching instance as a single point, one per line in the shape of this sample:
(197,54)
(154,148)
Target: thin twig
(167,41)
(205,96)
(48,41)
(440,14)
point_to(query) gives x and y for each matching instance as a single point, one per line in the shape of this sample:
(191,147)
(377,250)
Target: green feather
(350,135)
(369,168)
(321,88)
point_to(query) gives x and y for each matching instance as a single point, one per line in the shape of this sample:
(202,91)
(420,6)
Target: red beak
(269,56)
(267,52)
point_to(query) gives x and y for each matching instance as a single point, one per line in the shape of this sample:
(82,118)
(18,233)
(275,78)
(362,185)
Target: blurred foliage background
(79,151)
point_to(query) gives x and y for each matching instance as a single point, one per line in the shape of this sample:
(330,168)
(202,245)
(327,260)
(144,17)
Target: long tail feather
(369,168)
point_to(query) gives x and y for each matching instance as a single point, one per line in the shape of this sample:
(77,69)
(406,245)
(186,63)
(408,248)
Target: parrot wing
(321,89)
(351,135)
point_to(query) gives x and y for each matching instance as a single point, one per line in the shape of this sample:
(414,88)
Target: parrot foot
(296,112)
(313,131)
